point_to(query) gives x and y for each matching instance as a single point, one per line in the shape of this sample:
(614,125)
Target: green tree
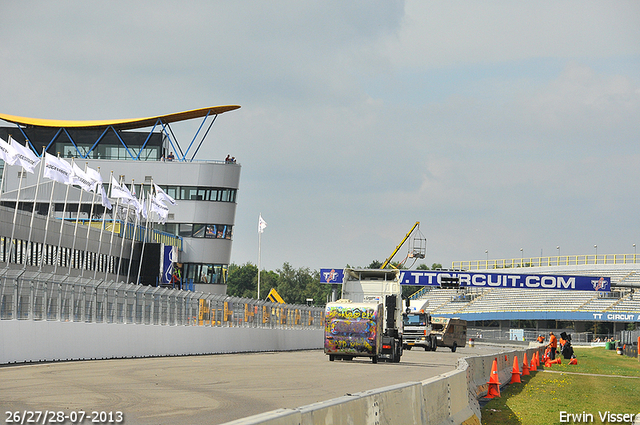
(242,281)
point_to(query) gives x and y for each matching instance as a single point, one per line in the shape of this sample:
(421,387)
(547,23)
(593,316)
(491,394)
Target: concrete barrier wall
(33,341)
(451,398)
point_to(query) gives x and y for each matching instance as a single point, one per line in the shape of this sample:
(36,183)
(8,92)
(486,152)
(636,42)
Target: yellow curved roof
(125,124)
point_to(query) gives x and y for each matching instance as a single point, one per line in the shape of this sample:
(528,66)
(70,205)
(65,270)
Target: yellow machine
(418,248)
(274,297)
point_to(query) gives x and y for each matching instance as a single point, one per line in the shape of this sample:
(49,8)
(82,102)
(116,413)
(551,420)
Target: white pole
(86,246)
(104,216)
(135,228)
(75,229)
(33,211)
(146,229)
(259,253)
(124,232)
(15,212)
(113,230)
(46,226)
(64,207)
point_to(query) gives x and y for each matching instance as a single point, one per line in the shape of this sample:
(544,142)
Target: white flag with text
(25,157)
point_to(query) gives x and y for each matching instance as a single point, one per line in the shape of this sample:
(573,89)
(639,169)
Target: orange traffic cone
(533,367)
(573,361)
(494,384)
(537,355)
(515,373)
(525,365)
(547,363)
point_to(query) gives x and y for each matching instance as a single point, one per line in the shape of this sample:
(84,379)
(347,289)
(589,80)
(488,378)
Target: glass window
(172,191)
(211,231)
(186,230)
(228,233)
(198,230)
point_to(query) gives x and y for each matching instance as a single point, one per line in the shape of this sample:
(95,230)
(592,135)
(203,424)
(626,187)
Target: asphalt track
(210,389)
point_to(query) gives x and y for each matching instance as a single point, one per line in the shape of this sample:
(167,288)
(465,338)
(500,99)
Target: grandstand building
(200,226)
(502,309)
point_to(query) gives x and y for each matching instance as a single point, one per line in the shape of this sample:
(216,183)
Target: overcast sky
(499,125)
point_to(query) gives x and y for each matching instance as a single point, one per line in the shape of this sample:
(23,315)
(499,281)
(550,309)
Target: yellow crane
(417,250)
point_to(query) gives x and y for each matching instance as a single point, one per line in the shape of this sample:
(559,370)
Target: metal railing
(560,260)
(532,334)
(47,297)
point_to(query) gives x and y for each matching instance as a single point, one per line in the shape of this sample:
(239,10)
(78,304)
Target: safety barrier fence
(560,260)
(531,335)
(451,398)
(44,297)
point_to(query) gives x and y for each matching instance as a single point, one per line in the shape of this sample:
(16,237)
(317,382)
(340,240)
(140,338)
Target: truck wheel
(331,357)
(434,343)
(408,347)
(453,347)
(374,359)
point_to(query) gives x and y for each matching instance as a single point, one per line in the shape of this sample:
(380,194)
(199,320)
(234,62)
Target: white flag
(121,192)
(57,169)
(159,208)
(135,203)
(25,157)
(261,224)
(105,199)
(7,153)
(96,178)
(162,196)
(82,179)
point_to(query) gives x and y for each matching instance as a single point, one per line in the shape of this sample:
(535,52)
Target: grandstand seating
(621,299)
(629,304)
(448,301)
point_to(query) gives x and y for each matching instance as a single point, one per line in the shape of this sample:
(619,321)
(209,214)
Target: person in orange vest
(553,345)
(540,339)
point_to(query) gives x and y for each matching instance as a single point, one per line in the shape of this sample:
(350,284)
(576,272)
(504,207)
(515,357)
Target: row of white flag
(90,180)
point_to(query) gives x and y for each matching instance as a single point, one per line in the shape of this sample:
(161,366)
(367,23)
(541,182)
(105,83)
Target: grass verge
(576,389)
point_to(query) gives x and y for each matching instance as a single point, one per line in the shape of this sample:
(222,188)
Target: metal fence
(46,297)
(532,334)
(558,260)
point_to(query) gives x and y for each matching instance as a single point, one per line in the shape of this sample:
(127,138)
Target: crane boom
(388,260)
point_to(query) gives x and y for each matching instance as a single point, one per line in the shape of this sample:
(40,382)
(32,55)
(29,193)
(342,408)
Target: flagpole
(46,226)
(124,232)
(58,257)
(15,213)
(146,229)
(259,253)
(75,229)
(113,230)
(104,216)
(261,226)
(33,211)
(135,228)
(86,247)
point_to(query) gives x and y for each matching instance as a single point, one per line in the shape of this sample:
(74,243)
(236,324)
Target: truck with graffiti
(367,320)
